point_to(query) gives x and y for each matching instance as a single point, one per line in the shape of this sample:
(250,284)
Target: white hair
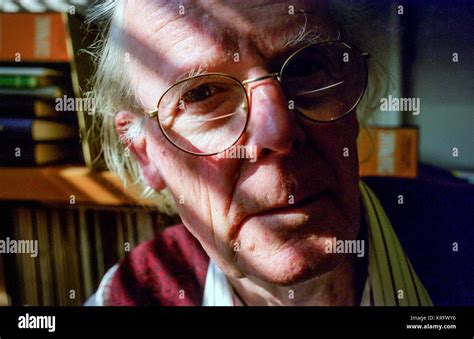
(113,93)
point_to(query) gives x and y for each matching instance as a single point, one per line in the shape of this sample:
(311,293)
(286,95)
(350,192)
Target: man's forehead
(178,37)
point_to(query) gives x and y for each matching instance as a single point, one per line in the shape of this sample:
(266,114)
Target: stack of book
(36,126)
(32,130)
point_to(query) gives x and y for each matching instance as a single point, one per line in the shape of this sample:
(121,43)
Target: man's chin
(289,248)
(290,265)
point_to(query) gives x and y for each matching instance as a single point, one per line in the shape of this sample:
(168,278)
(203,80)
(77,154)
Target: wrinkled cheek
(181,175)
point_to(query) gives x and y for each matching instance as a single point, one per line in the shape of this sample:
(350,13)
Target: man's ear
(137,144)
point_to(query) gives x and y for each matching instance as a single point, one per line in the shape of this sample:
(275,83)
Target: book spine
(10,104)
(16,129)
(18,81)
(45,259)
(49,92)
(85,252)
(33,37)
(17,155)
(391,152)
(30,107)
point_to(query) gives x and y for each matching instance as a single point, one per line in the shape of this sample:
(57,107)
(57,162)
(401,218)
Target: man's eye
(199,93)
(306,69)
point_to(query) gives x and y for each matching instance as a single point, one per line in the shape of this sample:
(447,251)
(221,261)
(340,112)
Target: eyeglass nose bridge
(263,77)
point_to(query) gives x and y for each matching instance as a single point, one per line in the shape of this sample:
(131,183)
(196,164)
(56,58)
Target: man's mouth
(288,208)
(295,206)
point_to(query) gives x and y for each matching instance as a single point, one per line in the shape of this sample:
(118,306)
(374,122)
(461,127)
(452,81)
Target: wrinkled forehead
(174,38)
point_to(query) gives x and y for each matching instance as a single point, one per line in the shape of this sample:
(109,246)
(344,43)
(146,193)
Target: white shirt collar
(217,291)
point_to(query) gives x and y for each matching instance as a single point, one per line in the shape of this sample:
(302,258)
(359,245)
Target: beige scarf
(392,280)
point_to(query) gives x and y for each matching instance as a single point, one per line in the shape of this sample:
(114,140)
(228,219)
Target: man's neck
(337,288)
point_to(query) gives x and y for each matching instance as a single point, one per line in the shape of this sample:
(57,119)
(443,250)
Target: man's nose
(272,125)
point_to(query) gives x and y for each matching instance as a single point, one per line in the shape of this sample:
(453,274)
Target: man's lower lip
(281,210)
(294,208)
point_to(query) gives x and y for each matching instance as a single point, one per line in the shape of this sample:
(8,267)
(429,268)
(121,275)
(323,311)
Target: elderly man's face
(270,219)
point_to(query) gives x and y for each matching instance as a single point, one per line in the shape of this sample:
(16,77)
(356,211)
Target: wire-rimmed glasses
(208,113)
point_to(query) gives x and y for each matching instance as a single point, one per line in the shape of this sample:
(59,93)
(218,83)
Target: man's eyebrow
(198,70)
(195,71)
(305,36)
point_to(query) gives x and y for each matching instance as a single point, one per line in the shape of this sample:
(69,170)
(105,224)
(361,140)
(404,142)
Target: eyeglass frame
(277,75)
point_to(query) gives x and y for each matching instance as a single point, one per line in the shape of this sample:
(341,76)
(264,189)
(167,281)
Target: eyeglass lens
(204,115)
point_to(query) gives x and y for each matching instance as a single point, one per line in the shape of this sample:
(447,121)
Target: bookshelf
(79,178)
(67,185)
(83,218)
(84,222)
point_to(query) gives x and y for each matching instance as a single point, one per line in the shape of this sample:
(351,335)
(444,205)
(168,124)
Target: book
(144,224)
(35,129)
(45,284)
(48,92)
(42,37)
(388,152)
(99,245)
(27,77)
(85,253)
(31,154)
(24,230)
(4,297)
(29,71)
(31,107)
(72,245)
(58,262)
(24,81)
(76,246)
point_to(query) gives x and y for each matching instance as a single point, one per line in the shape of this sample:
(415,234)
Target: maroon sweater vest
(169,270)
